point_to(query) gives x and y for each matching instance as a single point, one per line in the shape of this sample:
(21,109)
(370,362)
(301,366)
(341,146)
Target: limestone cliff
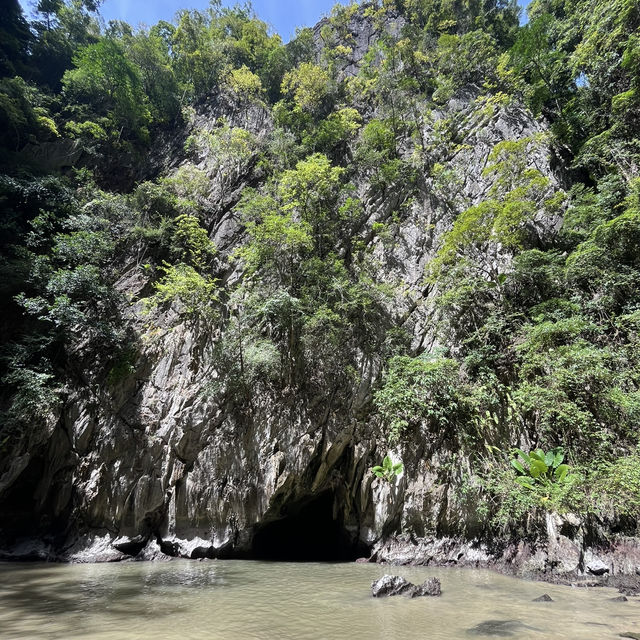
(167,460)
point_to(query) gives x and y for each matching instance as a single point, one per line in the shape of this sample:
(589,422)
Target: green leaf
(559,457)
(523,455)
(377,469)
(537,455)
(538,468)
(380,474)
(387,464)
(525,482)
(561,472)
(549,458)
(398,468)
(517,466)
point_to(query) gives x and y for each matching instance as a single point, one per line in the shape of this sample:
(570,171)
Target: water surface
(240,600)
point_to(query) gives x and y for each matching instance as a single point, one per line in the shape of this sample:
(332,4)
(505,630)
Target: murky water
(236,600)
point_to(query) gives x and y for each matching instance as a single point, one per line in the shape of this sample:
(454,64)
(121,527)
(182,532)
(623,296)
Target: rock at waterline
(130,546)
(619,599)
(545,597)
(627,585)
(398,586)
(597,568)
(390,586)
(630,634)
(499,628)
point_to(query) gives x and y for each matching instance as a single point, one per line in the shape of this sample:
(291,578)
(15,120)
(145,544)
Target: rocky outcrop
(167,462)
(398,586)
(53,155)
(357,34)
(547,554)
(164,458)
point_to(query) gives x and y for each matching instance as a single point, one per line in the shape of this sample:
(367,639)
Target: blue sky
(283,15)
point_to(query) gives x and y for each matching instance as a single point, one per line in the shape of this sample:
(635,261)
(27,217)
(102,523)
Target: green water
(276,601)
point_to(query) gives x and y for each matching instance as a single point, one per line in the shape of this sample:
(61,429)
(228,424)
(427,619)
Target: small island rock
(396,586)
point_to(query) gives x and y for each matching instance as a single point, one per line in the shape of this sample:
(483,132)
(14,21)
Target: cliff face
(167,461)
(159,457)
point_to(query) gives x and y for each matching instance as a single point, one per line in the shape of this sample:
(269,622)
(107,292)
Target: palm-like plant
(388,470)
(540,467)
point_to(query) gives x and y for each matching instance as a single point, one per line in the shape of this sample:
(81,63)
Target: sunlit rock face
(165,457)
(166,462)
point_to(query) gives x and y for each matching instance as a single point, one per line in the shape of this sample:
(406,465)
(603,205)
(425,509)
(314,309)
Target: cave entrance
(308,532)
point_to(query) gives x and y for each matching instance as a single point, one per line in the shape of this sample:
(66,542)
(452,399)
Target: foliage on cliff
(539,333)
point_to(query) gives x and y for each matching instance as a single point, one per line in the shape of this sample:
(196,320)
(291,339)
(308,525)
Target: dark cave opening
(19,508)
(308,532)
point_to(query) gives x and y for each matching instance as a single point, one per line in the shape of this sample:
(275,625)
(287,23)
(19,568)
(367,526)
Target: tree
(309,86)
(111,84)
(311,190)
(198,61)
(543,67)
(473,262)
(15,39)
(463,60)
(149,54)
(276,239)
(247,87)
(65,28)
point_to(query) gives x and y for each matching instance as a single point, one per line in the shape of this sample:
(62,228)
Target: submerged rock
(396,586)
(206,552)
(499,628)
(543,598)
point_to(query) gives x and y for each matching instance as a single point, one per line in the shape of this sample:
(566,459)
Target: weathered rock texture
(398,586)
(160,466)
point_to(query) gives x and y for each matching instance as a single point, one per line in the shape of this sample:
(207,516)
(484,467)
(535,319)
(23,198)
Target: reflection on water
(279,601)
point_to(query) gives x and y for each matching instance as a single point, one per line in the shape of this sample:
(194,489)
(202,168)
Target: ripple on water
(235,600)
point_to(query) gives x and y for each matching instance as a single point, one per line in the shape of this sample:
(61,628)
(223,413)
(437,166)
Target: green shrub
(181,283)
(616,486)
(419,390)
(191,242)
(388,471)
(123,366)
(538,466)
